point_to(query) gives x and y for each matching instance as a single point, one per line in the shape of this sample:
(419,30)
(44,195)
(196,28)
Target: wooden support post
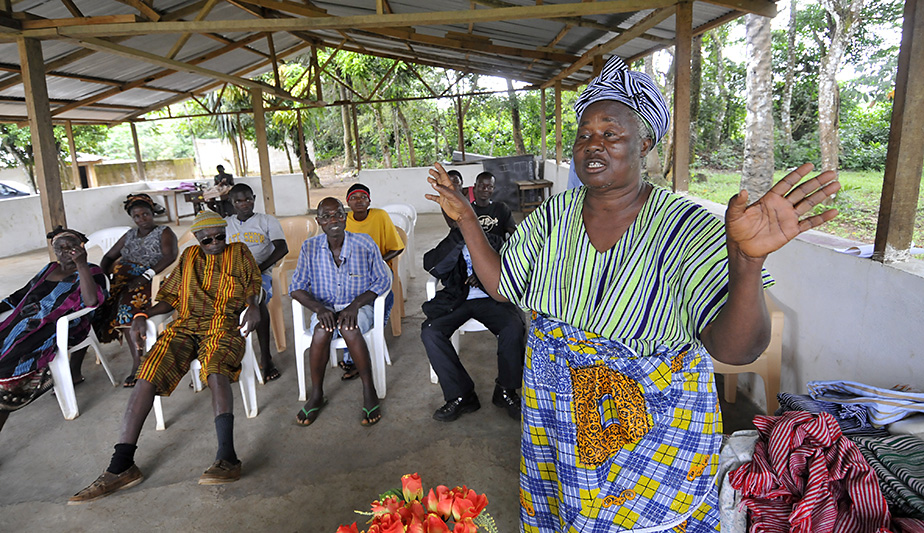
(139,162)
(683,50)
(43,139)
(460,124)
(72,146)
(359,156)
(558,152)
(545,128)
(303,157)
(266,176)
(905,158)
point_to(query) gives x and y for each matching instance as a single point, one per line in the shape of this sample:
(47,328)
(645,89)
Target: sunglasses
(209,240)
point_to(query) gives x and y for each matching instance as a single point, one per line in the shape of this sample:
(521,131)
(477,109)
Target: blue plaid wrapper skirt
(614,441)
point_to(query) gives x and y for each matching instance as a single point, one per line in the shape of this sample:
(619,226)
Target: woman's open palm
(774,220)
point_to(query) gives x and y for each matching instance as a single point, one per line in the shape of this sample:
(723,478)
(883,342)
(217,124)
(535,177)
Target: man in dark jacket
(462,298)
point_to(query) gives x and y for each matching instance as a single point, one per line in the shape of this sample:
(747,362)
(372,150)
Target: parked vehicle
(9,190)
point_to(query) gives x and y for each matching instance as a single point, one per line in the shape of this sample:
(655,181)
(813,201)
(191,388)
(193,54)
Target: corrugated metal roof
(530,49)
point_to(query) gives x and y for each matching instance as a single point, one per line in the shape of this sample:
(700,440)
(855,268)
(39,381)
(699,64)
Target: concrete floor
(295,478)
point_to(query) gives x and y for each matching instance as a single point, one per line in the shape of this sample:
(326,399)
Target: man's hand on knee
(327,320)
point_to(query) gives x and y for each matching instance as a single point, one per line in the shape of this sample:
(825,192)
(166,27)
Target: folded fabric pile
(884,406)
(806,477)
(899,463)
(853,419)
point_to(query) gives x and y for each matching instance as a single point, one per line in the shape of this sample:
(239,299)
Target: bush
(804,150)
(865,136)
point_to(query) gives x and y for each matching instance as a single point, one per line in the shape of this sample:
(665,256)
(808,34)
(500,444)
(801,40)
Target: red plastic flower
(387,523)
(388,505)
(412,487)
(435,524)
(465,526)
(350,529)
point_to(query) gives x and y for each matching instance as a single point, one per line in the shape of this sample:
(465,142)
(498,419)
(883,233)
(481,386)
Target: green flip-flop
(368,419)
(306,417)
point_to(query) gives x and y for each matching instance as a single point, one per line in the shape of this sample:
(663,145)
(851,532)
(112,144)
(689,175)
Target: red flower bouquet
(409,511)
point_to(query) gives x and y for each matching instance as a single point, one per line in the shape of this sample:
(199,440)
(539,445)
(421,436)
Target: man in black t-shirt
(494,217)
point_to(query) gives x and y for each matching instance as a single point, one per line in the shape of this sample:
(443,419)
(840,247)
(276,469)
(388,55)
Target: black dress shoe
(507,399)
(457,407)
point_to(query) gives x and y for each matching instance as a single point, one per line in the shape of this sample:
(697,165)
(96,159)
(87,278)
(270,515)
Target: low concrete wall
(127,172)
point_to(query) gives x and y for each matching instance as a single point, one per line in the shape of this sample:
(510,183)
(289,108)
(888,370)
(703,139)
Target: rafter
(152,77)
(147,11)
(653,19)
(69,4)
(181,42)
(372,22)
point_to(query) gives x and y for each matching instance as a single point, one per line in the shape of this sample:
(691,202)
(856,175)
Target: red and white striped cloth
(806,477)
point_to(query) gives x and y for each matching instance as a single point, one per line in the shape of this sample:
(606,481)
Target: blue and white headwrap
(635,89)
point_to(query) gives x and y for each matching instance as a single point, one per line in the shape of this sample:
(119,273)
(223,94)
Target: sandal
(306,417)
(350,372)
(129,382)
(368,418)
(271,375)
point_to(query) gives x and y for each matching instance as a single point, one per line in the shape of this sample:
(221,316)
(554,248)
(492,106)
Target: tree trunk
(289,157)
(349,161)
(786,104)
(236,155)
(515,119)
(696,83)
(394,121)
(843,16)
(380,131)
(667,143)
(718,132)
(412,158)
(312,175)
(653,160)
(757,168)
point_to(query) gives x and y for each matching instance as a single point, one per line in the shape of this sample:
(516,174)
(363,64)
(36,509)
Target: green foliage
(865,135)
(157,140)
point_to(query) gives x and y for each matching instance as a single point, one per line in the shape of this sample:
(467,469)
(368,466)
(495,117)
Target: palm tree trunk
(349,160)
(380,130)
(412,158)
(515,119)
(757,168)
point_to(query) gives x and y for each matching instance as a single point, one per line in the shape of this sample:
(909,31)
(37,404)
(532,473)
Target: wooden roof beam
(650,21)
(243,72)
(699,30)
(181,42)
(372,22)
(147,79)
(146,11)
(72,8)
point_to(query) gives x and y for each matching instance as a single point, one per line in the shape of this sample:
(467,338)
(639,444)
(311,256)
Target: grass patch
(857,202)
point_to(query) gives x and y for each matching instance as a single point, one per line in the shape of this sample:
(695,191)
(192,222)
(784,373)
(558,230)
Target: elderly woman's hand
(774,220)
(450,197)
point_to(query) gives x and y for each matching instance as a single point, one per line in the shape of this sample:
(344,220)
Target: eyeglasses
(209,240)
(339,215)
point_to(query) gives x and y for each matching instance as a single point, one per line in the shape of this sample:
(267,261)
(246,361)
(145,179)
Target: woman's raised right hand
(450,198)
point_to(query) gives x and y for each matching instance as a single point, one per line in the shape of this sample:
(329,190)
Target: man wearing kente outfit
(632,289)
(209,288)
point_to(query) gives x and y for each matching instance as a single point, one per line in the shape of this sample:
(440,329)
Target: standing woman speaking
(632,288)
(132,262)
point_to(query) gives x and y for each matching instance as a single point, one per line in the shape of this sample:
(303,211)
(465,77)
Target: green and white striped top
(660,285)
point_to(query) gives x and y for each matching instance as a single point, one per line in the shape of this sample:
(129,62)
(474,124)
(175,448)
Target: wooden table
(531,193)
(167,194)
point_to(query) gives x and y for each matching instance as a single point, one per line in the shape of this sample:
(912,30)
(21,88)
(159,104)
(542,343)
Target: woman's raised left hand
(775,219)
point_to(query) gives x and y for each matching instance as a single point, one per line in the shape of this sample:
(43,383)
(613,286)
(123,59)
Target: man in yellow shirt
(377,224)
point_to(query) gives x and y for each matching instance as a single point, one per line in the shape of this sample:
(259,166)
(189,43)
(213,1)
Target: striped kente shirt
(361,269)
(660,285)
(210,291)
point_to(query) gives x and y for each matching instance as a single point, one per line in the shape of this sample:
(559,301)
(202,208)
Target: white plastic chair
(470,325)
(250,373)
(106,237)
(375,340)
(411,213)
(404,267)
(60,366)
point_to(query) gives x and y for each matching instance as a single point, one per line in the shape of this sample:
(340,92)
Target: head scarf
(60,232)
(634,89)
(207,219)
(134,199)
(358,187)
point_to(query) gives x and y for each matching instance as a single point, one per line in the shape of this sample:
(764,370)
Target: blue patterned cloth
(884,405)
(361,269)
(613,441)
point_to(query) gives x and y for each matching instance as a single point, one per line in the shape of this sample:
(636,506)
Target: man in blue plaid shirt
(338,277)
